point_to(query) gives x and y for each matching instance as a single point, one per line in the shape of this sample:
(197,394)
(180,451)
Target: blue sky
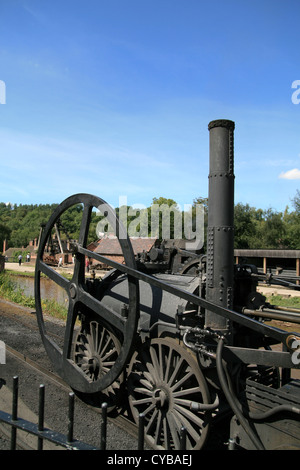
(114,98)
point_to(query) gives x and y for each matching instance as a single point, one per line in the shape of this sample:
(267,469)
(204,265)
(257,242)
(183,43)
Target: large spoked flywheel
(88,373)
(164,383)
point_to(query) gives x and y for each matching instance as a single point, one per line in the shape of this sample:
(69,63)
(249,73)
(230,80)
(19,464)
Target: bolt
(73,291)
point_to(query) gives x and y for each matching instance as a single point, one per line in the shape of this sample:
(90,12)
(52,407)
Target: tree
(254,228)
(292,228)
(4,234)
(245,224)
(22,223)
(273,229)
(165,219)
(296,202)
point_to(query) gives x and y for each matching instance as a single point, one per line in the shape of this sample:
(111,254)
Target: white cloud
(291,174)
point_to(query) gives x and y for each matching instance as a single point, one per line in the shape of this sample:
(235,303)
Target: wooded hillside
(254,228)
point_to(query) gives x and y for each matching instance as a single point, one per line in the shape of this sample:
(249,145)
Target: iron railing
(67,440)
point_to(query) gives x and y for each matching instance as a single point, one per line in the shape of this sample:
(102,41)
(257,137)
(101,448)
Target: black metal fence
(42,434)
(60,440)
(66,441)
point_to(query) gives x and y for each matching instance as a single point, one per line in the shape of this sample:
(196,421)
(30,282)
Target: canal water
(49,289)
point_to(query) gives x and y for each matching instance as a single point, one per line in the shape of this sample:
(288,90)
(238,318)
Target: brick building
(110,248)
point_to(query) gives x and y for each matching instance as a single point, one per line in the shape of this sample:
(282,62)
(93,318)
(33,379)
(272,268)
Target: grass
(32,274)
(54,309)
(280,301)
(289,302)
(17,273)
(9,290)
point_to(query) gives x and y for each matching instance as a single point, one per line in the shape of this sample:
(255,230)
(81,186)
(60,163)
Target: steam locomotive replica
(187,345)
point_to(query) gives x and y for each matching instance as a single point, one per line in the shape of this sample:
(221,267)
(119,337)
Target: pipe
(205,406)
(285,309)
(272,314)
(277,409)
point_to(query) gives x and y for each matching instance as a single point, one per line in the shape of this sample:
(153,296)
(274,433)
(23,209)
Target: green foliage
(278,300)
(16,255)
(11,291)
(54,309)
(245,226)
(19,224)
(269,229)
(296,202)
(70,221)
(163,200)
(254,228)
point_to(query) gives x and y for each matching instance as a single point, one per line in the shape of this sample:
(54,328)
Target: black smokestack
(220,236)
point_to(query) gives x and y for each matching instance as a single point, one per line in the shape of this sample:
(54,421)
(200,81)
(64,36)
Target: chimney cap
(221,123)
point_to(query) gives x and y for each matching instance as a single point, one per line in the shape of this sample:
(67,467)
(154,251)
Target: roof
(111,246)
(267,253)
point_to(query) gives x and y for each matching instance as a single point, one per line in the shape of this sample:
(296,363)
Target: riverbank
(11,290)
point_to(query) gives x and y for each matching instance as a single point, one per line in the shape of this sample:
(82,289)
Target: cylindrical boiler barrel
(220,236)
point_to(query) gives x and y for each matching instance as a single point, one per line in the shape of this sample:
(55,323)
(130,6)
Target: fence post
(41,414)
(14,414)
(103,426)
(141,431)
(71,417)
(183,438)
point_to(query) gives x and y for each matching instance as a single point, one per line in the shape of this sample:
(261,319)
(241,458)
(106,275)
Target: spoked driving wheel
(82,302)
(164,382)
(96,349)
